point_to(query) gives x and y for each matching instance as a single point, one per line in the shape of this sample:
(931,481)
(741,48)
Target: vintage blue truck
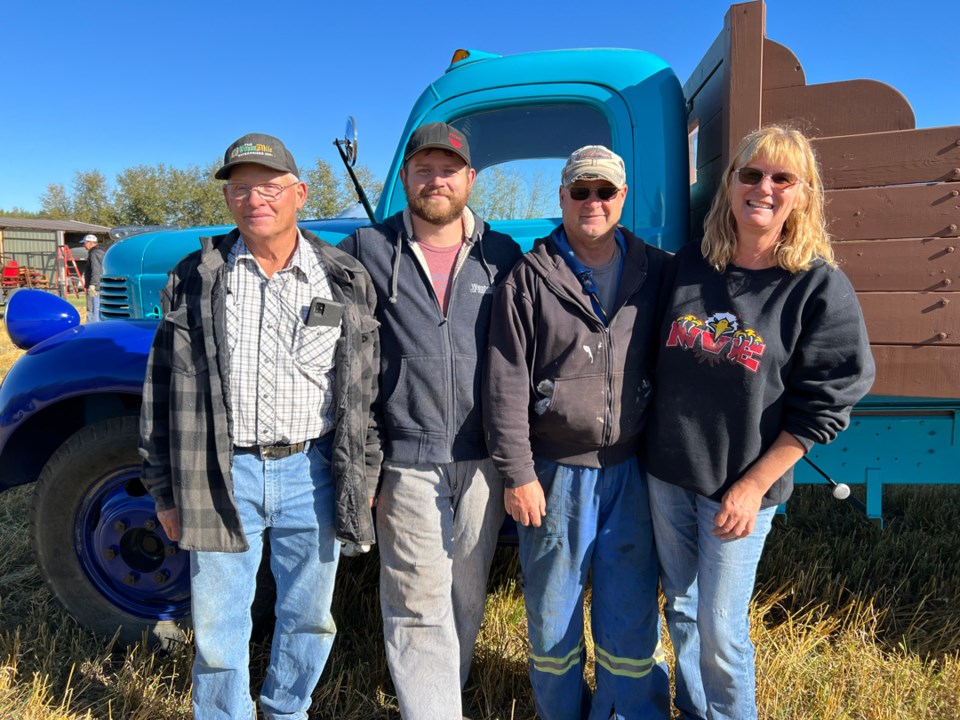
(69,406)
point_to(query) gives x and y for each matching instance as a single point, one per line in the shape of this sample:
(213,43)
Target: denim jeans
(293,499)
(708,584)
(597,522)
(437,527)
(93,306)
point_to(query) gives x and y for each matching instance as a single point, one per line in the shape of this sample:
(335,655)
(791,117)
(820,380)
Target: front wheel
(98,543)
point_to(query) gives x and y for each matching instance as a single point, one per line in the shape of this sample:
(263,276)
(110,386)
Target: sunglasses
(605,193)
(753,176)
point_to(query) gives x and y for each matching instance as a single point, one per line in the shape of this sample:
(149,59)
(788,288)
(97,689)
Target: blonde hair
(804,236)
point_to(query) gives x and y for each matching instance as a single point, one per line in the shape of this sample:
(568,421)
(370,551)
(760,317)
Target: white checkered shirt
(281,371)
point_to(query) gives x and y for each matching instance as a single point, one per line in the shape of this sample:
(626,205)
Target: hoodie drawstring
(483,258)
(395,277)
(407,232)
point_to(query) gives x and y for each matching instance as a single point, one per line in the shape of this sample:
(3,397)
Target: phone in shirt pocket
(324,313)
(315,342)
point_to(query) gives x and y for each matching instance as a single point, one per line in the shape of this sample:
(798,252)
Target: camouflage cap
(594,162)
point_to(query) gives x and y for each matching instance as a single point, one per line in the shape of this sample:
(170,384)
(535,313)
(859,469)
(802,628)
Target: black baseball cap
(440,136)
(259,149)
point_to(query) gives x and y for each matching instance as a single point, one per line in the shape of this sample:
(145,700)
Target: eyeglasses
(604,193)
(268,191)
(754,176)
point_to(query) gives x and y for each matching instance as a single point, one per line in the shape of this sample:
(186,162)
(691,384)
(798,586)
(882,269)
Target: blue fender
(66,359)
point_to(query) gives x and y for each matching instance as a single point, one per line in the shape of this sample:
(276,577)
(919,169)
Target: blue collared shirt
(585,274)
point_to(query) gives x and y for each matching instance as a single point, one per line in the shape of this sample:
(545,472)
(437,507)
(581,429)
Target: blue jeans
(708,584)
(93,306)
(293,497)
(597,522)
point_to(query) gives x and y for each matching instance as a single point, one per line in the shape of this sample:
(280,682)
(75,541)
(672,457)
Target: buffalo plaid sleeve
(154,444)
(373,450)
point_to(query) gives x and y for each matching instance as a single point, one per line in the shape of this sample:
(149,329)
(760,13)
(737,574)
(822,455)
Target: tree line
(164,195)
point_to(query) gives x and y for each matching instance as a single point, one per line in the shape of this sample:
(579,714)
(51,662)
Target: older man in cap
(92,272)
(435,265)
(572,341)
(256,422)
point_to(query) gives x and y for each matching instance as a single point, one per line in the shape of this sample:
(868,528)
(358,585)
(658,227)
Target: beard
(436,213)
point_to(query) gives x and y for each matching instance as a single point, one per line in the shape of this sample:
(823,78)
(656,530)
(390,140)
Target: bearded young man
(440,504)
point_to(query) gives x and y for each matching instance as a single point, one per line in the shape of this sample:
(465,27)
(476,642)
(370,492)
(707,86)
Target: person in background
(572,343)
(440,506)
(762,353)
(92,272)
(256,421)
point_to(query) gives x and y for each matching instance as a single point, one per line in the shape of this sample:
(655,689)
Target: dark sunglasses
(581,193)
(753,176)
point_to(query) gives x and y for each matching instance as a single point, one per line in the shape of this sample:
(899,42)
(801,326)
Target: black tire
(98,544)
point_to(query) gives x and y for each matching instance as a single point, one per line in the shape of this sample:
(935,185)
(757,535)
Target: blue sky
(108,85)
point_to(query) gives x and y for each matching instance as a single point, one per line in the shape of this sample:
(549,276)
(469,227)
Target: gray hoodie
(431,365)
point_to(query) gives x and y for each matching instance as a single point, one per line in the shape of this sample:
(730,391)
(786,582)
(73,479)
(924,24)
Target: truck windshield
(518,153)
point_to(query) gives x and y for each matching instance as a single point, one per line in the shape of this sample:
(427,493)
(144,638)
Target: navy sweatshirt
(743,355)
(431,365)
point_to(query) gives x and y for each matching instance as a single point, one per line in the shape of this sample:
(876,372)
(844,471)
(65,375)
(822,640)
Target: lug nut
(110,553)
(171,550)
(119,526)
(161,577)
(131,579)
(150,524)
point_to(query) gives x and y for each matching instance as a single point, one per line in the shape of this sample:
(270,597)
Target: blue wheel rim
(125,553)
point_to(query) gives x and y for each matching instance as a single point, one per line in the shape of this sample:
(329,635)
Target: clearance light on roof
(464,57)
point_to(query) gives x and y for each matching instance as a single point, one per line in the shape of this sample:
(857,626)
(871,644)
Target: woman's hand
(738,510)
(741,503)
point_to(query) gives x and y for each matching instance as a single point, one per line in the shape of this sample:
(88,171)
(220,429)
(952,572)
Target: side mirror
(348,145)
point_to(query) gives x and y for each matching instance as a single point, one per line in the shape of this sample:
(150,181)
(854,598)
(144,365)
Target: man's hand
(170,519)
(525,504)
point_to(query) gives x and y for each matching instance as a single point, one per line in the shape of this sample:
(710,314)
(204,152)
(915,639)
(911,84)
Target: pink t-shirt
(441,262)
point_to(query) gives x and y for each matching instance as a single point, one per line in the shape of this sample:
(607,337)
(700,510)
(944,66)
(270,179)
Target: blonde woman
(762,353)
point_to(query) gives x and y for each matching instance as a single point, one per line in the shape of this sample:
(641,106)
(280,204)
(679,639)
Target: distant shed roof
(44,224)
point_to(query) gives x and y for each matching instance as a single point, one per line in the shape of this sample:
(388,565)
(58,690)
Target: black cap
(437,135)
(259,149)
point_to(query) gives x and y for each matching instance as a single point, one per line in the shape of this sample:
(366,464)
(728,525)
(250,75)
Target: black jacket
(93,270)
(561,385)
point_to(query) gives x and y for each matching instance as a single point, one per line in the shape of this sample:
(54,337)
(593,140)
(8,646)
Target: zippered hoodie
(560,385)
(431,366)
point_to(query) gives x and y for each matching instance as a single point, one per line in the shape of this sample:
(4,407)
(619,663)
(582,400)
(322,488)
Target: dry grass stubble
(850,622)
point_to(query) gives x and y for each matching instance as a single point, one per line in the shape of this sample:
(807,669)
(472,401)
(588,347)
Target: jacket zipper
(608,376)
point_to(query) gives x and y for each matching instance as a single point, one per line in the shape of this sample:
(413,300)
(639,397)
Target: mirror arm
(361,195)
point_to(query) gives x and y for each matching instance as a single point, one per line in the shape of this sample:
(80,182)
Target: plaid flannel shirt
(186,439)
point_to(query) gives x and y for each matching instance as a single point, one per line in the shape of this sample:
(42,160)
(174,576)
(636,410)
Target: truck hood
(156,252)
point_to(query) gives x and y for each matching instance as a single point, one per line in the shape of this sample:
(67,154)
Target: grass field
(850,622)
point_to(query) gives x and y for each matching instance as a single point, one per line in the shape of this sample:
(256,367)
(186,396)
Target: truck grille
(114,298)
